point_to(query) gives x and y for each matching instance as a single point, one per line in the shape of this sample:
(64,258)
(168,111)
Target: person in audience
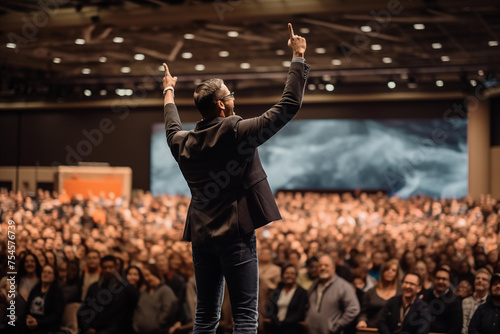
(470,304)
(45,304)
(91,273)
(310,273)
(157,306)
(332,302)
(445,307)
(134,276)
(375,299)
(376,266)
(69,281)
(269,273)
(109,304)
(421,270)
(288,303)
(406,313)
(463,289)
(486,319)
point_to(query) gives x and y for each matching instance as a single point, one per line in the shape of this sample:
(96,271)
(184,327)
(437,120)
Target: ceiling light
(199,67)
(387,60)
(86,71)
(11,45)
(125,69)
(419,26)
(321,86)
(329,87)
(87,92)
(336,62)
(187,55)
(311,86)
(286,63)
(376,47)
(223,54)
(118,40)
(103,59)
(320,50)
(473,83)
(161,68)
(188,36)
(326,77)
(304,30)
(280,52)
(391,84)
(57,60)
(139,56)
(436,46)
(79,41)
(233,33)
(120,91)
(103,92)
(480,72)
(245,66)
(445,58)
(493,43)
(439,83)
(366,28)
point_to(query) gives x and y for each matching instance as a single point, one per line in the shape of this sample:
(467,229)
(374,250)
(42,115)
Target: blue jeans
(236,261)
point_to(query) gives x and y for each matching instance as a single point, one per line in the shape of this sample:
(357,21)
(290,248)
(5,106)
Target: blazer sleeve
(255,131)
(172,122)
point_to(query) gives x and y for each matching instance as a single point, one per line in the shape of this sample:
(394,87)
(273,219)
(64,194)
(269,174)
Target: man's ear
(221,105)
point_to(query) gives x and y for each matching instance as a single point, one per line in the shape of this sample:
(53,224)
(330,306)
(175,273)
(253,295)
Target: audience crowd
(335,263)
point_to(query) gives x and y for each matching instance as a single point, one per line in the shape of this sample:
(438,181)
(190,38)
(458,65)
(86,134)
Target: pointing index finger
(166,68)
(290,30)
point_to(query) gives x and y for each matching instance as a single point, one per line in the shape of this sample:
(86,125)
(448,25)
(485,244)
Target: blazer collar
(206,123)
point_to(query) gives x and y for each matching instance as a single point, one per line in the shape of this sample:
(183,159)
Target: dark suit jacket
(230,195)
(296,312)
(417,321)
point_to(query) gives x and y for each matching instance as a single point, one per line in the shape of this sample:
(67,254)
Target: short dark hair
(446,270)
(108,258)
(205,96)
(286,266)
(414,274)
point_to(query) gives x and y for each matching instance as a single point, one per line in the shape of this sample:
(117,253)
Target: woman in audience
(374,299)
(157,306)
(134,277)
(45,304)
(288,303)
(421,270)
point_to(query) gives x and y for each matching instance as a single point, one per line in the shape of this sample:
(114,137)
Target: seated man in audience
(308,274)
(445,307)
(332,302)
(486,319)
(479,297)
(109,304)
(92,271)
(406,313)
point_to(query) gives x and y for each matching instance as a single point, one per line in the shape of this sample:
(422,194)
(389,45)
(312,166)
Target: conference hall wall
(61,136)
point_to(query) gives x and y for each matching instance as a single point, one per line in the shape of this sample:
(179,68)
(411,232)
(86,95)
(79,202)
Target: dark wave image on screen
(402,157)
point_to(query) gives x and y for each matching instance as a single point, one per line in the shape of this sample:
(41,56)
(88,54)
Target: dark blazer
(296,312)
(418,320)
(230,195)
(446,311)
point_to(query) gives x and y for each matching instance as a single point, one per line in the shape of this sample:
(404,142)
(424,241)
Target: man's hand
(296,43)
(168,80)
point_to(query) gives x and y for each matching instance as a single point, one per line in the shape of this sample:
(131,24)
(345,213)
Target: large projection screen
(404,157)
